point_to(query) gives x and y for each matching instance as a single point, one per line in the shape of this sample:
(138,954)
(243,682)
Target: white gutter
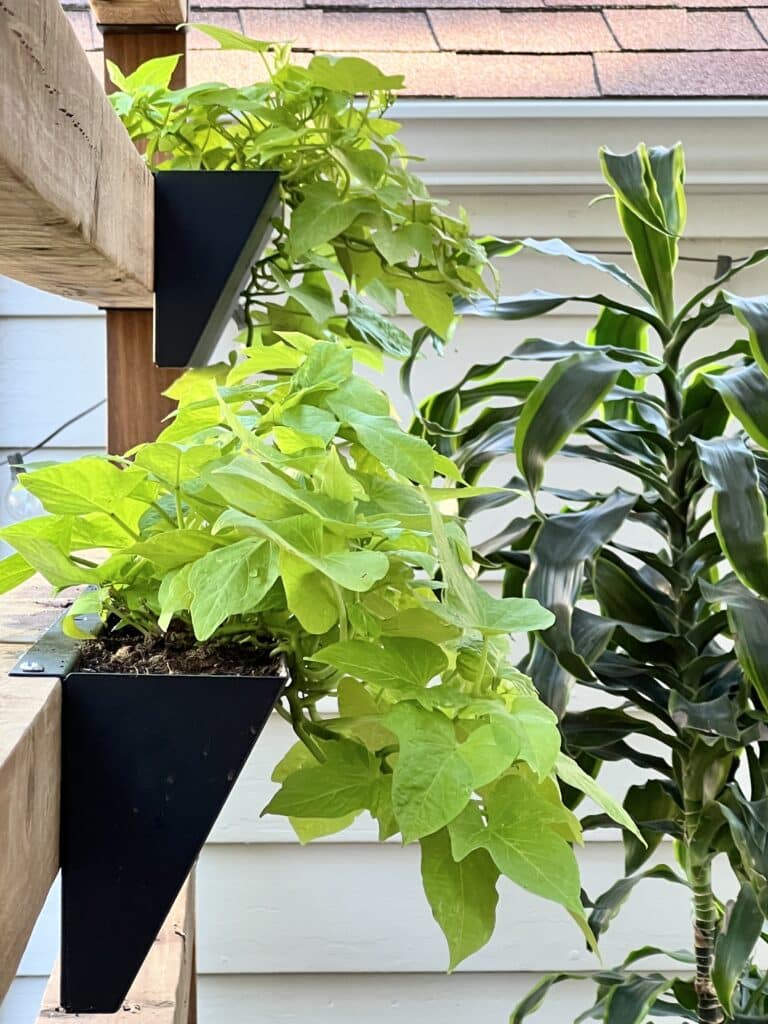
(514,145)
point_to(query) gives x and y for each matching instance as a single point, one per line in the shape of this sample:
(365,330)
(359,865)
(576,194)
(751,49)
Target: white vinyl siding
(340,931)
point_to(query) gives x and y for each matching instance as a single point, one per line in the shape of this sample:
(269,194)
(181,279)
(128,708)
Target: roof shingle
(503,48)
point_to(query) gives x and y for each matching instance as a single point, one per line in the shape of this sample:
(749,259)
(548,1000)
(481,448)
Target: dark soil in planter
(174,653)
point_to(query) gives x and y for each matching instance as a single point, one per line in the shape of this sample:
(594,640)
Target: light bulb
(19,503)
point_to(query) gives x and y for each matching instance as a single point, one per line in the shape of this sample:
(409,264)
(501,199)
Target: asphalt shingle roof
(506,49)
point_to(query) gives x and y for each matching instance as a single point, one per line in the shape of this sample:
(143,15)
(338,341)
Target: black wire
(56,432)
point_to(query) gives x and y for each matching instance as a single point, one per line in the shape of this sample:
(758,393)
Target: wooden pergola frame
(76,219)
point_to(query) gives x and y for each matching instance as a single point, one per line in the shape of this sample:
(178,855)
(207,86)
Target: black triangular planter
(209,229)
(147,763)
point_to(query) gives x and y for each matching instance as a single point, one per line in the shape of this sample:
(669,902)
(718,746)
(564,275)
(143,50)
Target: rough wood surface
(30,754)
(29,610)
(135,403)
(76,201)
(163,992)
(139,12)
(136,406)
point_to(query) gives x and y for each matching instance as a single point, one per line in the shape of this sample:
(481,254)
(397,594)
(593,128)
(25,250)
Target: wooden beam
(135,403)
(30,770)
(76,201)
(136,406)
(139,12)
(163,992)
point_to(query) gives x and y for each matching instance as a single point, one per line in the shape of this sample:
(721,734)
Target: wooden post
(136,31)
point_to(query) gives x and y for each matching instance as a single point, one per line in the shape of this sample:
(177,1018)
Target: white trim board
(513,144)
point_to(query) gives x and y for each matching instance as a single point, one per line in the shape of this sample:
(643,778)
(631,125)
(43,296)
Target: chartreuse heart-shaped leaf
(345,782)
(14,570)
(462,895)
(389,662)
(432,782)
(523,835)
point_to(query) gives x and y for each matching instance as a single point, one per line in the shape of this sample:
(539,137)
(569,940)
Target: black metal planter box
(147,764)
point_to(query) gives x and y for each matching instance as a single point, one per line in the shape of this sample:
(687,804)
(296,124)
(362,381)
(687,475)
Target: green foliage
(675,562)
(352,211)
(284,510)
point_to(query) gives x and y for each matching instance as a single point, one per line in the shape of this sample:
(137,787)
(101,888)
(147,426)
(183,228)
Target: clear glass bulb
(19,503)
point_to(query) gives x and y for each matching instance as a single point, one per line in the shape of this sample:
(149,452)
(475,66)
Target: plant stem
(705,922)
(699,869)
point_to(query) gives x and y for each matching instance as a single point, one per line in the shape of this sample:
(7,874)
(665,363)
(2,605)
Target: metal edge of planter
(148,762)
(210,227)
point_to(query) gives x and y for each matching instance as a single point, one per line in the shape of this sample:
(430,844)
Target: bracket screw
(31,667)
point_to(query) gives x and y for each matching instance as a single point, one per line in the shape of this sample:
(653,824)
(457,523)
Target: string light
(19,503)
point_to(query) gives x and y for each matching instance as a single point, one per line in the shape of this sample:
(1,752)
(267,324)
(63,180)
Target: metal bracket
(55,653)
(210,227)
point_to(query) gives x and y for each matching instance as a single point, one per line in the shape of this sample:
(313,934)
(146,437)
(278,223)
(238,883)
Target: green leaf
(607,906)
(753,313)
(432,782)
(406,454)
(81,486)
(557,247)
(572,775)
(462,895)
(653,809)
(748,619)
(351,75)
(631,1001)
(735,943)
(390,662)
(745,393)
(174,548)
(308,594)
(429,303)
(375,329)
(344,783)
(304,537)
(14,571)
(230,581)
(568,394)
(323,214)
(155,73)
(523,839)
(648,187)
(229,40)
(738,508)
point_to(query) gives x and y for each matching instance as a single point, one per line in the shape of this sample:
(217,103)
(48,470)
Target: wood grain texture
(136,406)
(30,775)
(76,201)
(163,991)
(140,12)
(28,611)
(135,403)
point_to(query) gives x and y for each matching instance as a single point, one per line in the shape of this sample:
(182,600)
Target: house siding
(340,931)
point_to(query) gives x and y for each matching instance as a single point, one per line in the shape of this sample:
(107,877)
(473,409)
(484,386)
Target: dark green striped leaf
(568,395)
(753,313)
(738,508)
(737,939)
(745,393)
(748,619)
(630,1002)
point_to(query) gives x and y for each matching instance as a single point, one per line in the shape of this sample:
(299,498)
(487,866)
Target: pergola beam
(76,201)
(30,772)
(139,12)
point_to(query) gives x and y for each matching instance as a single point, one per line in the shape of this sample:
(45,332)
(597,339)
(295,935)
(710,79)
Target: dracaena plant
(353,212)
(659,585)
(283,509)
